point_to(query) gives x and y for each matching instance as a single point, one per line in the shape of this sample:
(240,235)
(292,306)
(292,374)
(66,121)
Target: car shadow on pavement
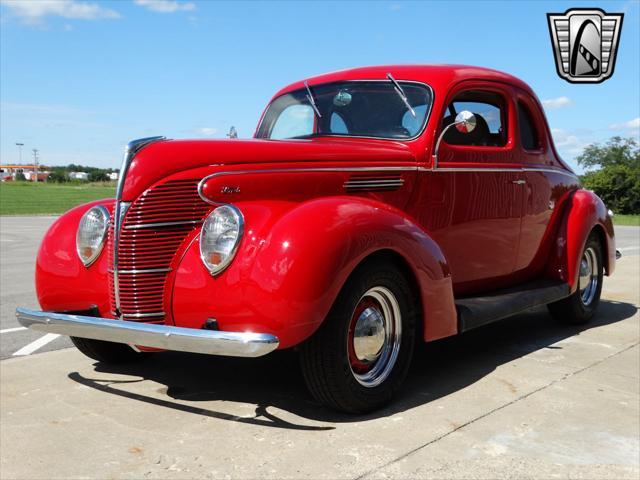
(275,382)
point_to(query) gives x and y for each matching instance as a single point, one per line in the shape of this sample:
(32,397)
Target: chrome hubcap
(368,337)
(588,281)
(375,332)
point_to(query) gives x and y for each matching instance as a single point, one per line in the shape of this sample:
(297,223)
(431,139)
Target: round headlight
(92,232)
(220,237)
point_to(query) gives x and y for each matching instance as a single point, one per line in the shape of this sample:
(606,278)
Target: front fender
(293,261)
(63,283)
(585,212)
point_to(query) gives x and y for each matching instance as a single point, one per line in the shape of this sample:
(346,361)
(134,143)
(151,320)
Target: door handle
(519,182)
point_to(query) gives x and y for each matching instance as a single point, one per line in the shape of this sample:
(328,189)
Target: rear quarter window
(529,137)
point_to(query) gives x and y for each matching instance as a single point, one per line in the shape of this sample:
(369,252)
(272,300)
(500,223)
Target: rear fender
(585,212)
(294,260)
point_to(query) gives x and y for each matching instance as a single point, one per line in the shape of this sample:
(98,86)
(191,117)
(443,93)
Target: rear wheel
(582,304)
(107,352)
(360,355)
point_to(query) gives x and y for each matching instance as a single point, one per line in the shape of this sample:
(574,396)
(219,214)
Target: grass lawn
(626,220)
(23,198)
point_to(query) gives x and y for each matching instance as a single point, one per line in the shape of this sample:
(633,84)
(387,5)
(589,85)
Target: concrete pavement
(523,398)
(19,241)
(628,240)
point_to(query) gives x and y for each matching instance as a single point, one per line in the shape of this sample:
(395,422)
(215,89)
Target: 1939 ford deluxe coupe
(375,207)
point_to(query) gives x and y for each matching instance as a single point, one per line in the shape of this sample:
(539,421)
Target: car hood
(161,159)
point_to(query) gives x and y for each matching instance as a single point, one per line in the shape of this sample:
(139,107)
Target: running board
(475,312)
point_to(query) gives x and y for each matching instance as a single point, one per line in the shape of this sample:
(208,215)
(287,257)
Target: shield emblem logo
(585,43)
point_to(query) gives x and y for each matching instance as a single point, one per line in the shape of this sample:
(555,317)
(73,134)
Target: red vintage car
(373,207)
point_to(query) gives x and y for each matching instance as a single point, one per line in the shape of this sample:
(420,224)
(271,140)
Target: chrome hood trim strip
(400,168)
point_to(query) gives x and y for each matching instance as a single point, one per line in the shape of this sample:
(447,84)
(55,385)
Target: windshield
(358,109)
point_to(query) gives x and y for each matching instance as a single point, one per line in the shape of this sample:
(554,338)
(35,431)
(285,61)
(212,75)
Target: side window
(337,124)
(294,121)
(528,133)
(491,119)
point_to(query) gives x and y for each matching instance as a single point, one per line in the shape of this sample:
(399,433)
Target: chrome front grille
(154,227)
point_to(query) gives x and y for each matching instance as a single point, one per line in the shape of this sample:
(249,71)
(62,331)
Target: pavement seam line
(490,412)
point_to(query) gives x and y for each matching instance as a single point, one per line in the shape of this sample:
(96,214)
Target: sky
(79,79)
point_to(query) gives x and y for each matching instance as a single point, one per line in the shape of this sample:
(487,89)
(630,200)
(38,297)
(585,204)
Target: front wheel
(582,304)
(107,352)
(359,357)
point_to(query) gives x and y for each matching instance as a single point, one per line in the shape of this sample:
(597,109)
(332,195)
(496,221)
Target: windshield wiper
(401,94)
(312,101)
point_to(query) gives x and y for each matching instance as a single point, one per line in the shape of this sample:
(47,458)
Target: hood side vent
(374,183)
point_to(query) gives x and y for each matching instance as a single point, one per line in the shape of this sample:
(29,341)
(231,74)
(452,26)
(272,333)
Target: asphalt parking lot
(523,398)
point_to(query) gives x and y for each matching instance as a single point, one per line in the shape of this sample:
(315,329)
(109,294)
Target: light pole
(20,145)
(35,164)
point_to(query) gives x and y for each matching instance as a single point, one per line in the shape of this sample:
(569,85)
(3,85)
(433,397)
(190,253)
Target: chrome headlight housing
(220,237)
(92,233)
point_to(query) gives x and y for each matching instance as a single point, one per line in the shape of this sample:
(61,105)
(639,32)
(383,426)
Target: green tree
(614,173)
(98,176)
(20,177)
(57,175)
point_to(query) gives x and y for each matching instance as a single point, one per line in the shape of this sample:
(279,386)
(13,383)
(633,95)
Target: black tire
(327,358)
(107,352)
(580,307)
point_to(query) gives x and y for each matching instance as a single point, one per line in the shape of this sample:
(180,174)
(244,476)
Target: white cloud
(555,103)
(166,6)
(33,11)
(207,131)
(568,141)
(630,125)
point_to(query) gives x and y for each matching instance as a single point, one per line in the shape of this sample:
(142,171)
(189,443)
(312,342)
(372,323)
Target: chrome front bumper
(211,342)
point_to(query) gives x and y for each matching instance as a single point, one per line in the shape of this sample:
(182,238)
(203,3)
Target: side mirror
(465,122)
(233,133)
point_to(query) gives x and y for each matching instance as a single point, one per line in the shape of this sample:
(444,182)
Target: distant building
(83,176)
(42,176)
(113,175)
(8,172)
